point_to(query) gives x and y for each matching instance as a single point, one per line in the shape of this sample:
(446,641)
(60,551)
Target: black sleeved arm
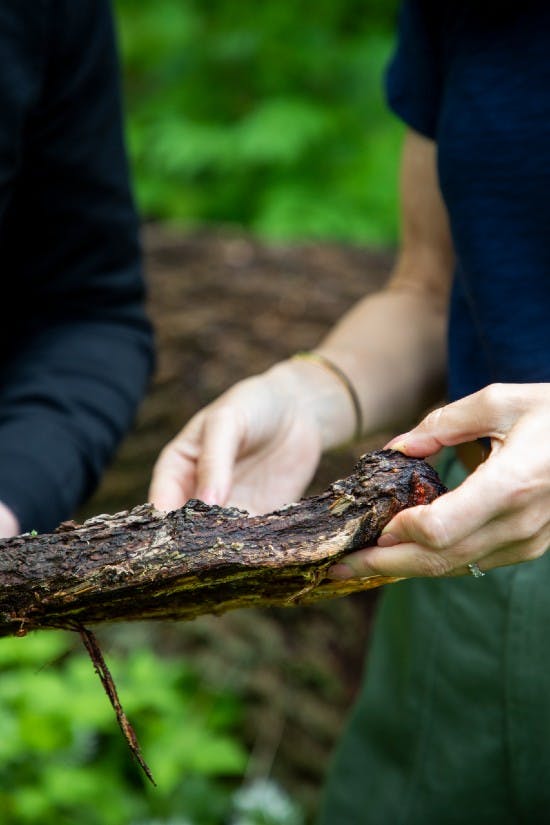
(414,74)
(76,346)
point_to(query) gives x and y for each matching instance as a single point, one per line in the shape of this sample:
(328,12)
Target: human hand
(499,515)
(258,445)
(9,525)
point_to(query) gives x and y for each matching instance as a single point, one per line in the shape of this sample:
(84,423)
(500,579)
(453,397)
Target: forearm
(392,346)
(65,403)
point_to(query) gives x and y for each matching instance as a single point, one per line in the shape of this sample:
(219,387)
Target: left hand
(499,515)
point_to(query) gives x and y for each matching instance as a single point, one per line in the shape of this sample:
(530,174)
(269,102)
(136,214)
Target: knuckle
(437,566)
(503,403)
(431,531)
(492,395)
(520,489)
(225,418)
(223,411)
(524,528)
(165,453)
(165,457)
(433,420)
(462,555)
(533,550)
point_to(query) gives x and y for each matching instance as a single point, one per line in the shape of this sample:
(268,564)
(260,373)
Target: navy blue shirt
(75,345)
(475,77)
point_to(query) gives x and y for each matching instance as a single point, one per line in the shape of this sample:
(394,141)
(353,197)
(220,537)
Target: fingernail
(209,497)
(399,446)
(387,540)
(340,571)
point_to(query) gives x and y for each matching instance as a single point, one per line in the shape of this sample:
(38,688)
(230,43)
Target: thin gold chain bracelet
(323,361)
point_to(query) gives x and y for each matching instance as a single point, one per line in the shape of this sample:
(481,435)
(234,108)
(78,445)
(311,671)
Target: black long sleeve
(75,344)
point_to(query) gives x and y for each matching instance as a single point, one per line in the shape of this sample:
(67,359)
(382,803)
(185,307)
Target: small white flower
(264,802)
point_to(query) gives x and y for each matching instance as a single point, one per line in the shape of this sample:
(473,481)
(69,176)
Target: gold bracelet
(322,360)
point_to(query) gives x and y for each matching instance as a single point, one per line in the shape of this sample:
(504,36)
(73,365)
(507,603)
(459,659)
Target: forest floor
(226,306)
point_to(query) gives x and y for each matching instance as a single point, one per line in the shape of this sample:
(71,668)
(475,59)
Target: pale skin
(9,526)
(257,446)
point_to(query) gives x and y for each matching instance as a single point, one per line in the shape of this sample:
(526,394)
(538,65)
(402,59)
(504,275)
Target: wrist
(337,372)
(318,392)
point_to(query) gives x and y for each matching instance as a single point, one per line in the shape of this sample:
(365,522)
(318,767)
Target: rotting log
(142,564)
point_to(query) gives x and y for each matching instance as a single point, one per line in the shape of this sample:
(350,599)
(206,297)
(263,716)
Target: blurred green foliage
(63,759)
(266,115)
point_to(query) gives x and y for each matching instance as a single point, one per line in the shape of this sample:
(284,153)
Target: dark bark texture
(142,564)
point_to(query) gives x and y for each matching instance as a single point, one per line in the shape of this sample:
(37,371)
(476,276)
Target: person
(451,725)
(76,343)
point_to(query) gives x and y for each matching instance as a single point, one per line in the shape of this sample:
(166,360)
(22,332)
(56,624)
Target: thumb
(487,413)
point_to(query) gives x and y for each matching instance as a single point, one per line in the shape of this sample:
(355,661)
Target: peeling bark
(142,564)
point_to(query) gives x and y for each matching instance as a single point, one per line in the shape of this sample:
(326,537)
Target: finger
(402,561)
(9,524)
(496,488)
(487,413)
(522,528)
(494,548)
(173,481)
(517,552)
(222,434)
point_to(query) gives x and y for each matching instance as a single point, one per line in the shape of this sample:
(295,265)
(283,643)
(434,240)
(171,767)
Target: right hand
(256,447)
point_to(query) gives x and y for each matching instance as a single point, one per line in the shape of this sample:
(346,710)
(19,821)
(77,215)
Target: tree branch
(142,564)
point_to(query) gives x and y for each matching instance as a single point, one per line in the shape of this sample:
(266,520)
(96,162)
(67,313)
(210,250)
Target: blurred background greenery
(63,760)
(267,117)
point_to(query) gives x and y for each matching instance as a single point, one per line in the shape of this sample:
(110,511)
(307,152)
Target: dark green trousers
(452,726)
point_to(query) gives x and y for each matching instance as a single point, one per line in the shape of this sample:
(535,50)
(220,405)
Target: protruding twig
(100,666)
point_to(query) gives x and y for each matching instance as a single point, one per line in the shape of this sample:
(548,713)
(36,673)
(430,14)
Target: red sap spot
(419,494)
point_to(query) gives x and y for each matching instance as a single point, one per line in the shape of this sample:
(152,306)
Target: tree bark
(142,564)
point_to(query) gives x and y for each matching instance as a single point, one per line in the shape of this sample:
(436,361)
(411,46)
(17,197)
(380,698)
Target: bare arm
(392,344)
(258,445)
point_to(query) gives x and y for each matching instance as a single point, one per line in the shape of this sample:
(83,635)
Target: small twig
(100,666)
